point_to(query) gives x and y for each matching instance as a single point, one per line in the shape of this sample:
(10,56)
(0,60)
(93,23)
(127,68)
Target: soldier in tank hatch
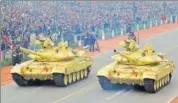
(132,36)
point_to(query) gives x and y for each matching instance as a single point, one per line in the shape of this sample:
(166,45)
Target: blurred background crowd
(24,21)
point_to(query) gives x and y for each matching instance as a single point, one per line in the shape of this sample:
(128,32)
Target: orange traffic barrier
(174,100)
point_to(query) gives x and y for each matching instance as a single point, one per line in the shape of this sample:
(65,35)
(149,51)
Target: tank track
(106,84)
(19,80)
(63,80)
(139,87)
(152,86)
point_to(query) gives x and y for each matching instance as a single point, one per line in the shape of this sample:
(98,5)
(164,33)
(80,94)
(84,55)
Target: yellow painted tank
(60,64)
(138,67)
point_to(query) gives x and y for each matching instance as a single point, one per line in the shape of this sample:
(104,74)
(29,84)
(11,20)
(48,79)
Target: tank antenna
(51,38)
(138,37)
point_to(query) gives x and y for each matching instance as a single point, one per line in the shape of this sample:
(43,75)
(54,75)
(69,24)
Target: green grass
(5,62)
(8,61)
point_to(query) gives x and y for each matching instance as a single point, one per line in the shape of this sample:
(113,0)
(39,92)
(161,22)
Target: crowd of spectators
(20,19)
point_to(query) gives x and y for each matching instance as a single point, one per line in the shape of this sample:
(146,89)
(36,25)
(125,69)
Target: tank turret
(49,52)
(136,59)
(50,55)
(136,56)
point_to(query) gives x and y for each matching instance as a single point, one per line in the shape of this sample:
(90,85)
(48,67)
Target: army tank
(141,68)
(59,64)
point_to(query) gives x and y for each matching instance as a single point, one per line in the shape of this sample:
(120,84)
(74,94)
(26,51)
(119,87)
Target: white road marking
(127,93)
(76,92)
(172,99)
(117,93)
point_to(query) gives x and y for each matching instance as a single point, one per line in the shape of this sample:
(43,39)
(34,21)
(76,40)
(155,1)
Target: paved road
(89,91)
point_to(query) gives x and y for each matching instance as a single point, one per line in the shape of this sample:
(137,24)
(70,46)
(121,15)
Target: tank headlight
(46,69)
(118,73)
(135,73)
(109,74)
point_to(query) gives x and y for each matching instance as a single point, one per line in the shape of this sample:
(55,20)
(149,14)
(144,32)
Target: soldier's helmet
(63,45)
(132,33)
(148,47)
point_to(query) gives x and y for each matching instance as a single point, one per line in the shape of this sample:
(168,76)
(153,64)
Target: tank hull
(62,73)
(158,75)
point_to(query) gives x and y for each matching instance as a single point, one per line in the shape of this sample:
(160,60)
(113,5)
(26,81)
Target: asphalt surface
(89,91)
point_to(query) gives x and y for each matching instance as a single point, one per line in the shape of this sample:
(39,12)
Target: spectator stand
(110,20)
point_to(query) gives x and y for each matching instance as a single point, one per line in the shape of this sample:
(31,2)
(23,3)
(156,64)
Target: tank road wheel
(89,69)
(151,85)
(74,76)
(160,83)
(60,80)
(19,80)
(70,78)
(168,78)
(81,74)
(155,85)
(66,81)
(78,75)
(106,84)
(85,73)
(165,80)
(162,80)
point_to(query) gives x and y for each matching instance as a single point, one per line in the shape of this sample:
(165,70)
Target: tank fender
(149,75)
(58,70)
(17,68)
(104,71)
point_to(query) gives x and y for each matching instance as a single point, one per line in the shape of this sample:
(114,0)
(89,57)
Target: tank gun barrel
(30,51)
